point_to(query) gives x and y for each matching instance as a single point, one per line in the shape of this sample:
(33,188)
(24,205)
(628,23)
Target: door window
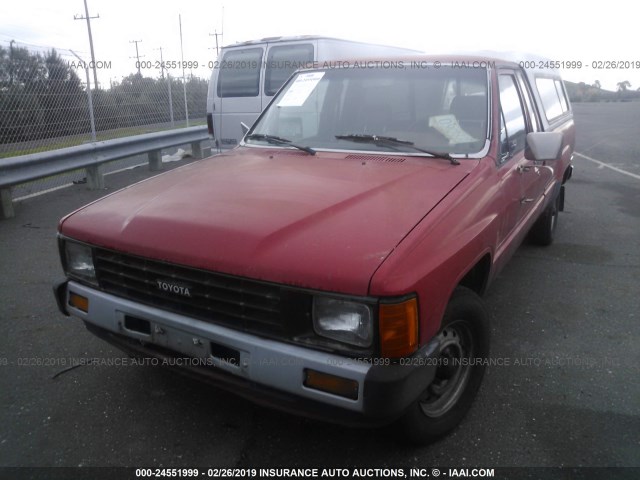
(513,130)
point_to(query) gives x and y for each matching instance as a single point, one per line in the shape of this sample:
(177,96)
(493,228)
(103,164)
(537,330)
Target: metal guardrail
(91,157)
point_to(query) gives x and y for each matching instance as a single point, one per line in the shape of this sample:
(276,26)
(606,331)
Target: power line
(93,57)
(39,48)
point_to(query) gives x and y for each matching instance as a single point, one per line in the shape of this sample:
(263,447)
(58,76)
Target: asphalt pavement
(565,326)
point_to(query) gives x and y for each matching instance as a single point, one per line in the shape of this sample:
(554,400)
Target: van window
(282,61)
(240,73)
(552,96)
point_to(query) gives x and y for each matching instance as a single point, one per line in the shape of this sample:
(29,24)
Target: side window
(534,125)
(282,61)
(513,129)
(563,99)
(240,73)
(552,96)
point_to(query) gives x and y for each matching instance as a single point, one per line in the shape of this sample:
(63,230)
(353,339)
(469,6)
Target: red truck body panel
(339,222)
(341,256)
(325,222)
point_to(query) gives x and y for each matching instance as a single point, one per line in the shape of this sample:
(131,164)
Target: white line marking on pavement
(60,187)
(42,192)
(606,165)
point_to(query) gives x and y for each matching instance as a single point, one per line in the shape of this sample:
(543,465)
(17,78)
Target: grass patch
(100,136)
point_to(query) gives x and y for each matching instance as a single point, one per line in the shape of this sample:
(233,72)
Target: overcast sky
(554,29)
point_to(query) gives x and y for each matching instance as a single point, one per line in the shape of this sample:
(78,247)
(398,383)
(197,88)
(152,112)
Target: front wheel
(461,358)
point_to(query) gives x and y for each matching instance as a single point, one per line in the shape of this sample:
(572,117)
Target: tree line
(583,92)
(42,96)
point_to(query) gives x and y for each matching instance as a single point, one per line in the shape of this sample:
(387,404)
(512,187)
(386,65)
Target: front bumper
(265,371)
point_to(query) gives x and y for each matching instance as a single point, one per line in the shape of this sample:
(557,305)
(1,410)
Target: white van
(248,74)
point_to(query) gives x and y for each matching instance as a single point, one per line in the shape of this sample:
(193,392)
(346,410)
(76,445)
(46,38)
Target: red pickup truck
(332,264)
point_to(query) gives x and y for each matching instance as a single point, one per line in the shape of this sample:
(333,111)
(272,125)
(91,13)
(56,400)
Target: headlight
(342,320)
(79,261)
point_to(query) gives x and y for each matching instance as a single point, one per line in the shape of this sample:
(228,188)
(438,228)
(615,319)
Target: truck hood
(325,222)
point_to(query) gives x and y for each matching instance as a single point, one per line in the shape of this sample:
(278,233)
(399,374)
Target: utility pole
(168,86)
(184,82)
(11,62)
(161,62)
(137,55)
(93,57)
(89,100)
(216,34)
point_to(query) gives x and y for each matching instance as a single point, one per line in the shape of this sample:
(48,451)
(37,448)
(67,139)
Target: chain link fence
(45,103)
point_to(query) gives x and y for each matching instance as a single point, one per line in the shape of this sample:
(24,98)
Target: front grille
(216,298)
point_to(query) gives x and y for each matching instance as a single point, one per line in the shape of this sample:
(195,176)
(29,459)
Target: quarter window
(553,97)
(563,99)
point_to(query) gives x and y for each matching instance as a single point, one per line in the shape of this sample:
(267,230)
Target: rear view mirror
(544,145)
(244,128)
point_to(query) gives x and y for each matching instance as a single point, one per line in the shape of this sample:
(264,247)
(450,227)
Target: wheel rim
(453,373)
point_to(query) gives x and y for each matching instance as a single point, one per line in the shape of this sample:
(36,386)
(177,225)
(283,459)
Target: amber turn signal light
(325,382)
(79,302)
(398,328)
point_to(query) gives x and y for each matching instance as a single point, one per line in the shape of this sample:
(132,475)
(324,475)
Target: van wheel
(543,231)
(461,361)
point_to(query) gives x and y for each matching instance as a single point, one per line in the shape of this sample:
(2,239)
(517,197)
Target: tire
(464,334)
(543,231)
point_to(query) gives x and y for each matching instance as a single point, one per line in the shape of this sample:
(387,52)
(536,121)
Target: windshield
(434,109)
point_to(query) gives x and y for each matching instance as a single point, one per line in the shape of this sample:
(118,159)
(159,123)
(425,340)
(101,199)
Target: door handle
(525,200)
(527,168)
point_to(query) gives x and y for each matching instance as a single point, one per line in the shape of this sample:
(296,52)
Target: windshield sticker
(300,90)
(448,126)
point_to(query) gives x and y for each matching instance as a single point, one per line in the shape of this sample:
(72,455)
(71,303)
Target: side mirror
(544,145)
(244,128)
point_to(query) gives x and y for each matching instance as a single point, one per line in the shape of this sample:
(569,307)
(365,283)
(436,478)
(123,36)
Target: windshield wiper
(275,140)
(394,142)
